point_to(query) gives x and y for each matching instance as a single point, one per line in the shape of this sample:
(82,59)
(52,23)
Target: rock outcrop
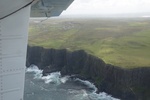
(127,84)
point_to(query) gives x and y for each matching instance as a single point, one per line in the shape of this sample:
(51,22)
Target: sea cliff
(126,84)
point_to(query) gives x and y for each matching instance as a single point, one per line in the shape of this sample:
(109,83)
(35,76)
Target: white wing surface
(14,20)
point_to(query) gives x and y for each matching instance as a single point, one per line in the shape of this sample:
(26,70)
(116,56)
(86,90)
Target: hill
(121,42)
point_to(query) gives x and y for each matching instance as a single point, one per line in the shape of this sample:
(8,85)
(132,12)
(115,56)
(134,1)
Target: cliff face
(127,84)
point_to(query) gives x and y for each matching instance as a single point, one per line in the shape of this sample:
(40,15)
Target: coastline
(127,84)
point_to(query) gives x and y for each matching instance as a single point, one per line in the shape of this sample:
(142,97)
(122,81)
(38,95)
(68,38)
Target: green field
(121,42)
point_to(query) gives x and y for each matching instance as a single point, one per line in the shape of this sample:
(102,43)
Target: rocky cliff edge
(127,84)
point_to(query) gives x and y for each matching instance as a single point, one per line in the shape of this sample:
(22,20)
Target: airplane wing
(14,21)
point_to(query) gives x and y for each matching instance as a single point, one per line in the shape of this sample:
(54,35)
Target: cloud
(108,6)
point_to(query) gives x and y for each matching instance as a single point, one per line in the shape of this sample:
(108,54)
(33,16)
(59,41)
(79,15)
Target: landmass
(111,53)
(126,84)
(122,42)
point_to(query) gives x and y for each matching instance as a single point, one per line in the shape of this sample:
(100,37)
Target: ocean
(55,87)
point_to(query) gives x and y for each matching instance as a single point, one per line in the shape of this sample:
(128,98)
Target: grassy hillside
(121,42)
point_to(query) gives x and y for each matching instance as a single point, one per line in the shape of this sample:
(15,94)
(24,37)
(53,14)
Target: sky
(100,7)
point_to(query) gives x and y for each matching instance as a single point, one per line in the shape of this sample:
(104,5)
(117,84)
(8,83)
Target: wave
(57,79)
(37,72)
(54,77)
(101,96)
(94,95)
(87,83)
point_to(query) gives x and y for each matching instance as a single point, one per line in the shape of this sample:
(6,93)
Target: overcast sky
(97,7)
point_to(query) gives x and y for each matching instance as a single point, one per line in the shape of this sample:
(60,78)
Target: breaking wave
(94,95)
(56,78)
(87,83)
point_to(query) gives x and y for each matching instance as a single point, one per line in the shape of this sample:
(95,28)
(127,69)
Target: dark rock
(127,84)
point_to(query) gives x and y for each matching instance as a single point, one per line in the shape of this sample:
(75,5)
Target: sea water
(55,87)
